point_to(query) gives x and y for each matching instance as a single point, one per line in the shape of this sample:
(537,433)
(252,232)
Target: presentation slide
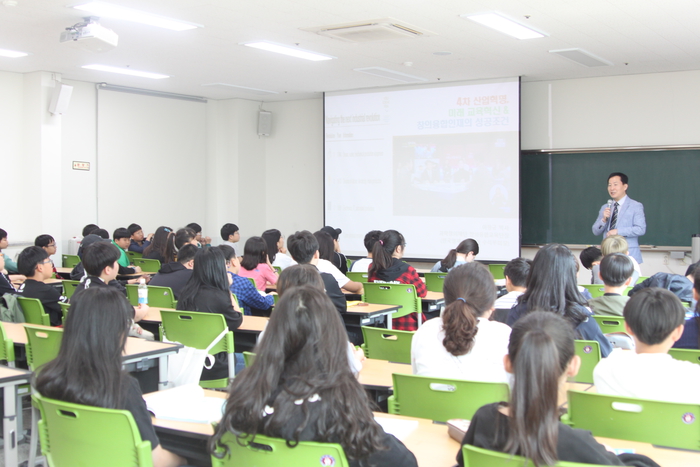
(437,163)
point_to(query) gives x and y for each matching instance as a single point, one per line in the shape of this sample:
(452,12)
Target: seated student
(540,358)
(101,233)
(337,258)
(197,229)
(208,291)
(515,272)
(681,286)
(325,251)
(615,244)
(690,339)
(88,369)
(10,264)
(551,286)
(90,228)
(5,282)
(300,387)
(122,239)
(156,250)
(100,262)
(387,267)
(616,271)
(176,241)
(251,301)
(256,264)
(230,235)
(35,264)
(276,251)
(465,252)
(138,242)
(303,247)
(654,318)
(78,272)
(48,243)
(591,256)
(362,264)
(176,274)
(463,343)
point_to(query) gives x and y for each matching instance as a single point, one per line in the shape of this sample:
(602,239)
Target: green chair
(497,270)
(394,294)
(263,451)
(610,324)
(687,355)
(133,255)
(357,276)
(64,308)
(661,423)
(641,279)
(596,290)
(387,344)
(43,345)
(7,348)
(147,265)
(348,263)
(160,297)
(434,281)
(441,399)
(249,358)
(69,287)
(589,351)
(69,261)
(198,330)
(74,435)
(480,457)
(252,281)
(277,269)
(34,311)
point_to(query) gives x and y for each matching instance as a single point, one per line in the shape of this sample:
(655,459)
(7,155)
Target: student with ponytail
(465,252)
(463,343)
(387,267)
(181,238)
(540,357)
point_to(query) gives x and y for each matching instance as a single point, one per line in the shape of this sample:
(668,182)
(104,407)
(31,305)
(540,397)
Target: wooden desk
(10,378)
(376,374)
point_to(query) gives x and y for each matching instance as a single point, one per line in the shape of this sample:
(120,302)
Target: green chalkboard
(561,194)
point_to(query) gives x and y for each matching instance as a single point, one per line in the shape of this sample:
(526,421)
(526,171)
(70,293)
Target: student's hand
(137,268)
(230,279)
(612,232)
(606,214)
(149,237)
(206,240)
(140,311)
(235,304)
(360,354)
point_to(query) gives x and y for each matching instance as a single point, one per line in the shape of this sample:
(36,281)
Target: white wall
(13,179)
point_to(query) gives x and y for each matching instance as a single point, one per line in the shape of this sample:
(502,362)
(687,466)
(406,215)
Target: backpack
(10,309)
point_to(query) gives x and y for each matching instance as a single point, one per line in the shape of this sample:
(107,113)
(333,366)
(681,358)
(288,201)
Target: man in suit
(624,217)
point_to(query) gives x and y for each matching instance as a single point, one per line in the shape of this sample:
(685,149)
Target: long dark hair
(382,253)
(465,247)
(469,293)
(254,253)
(551,284)
(88,368)
(271,237)
(159,241)
(697,305)
(540,349)
(302,353)
(177,241)
(326,248)
(209,271)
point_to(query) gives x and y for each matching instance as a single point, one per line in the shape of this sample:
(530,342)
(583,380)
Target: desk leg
(9,425)
(162,372)
(388,320)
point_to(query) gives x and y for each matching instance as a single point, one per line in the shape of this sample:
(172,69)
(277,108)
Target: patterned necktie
(613,219)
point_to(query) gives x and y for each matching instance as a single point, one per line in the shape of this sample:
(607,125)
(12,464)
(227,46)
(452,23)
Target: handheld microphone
(610,202)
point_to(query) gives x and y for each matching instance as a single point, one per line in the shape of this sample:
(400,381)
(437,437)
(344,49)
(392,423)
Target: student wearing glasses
(36,265)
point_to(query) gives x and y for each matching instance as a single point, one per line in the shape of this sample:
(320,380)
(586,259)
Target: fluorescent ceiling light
(391,74)
(291,51)
(582,57)
(126,71)
(506,26)
(253,90)
(12,53)
(108,10)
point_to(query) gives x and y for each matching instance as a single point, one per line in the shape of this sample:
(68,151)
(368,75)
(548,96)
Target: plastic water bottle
(143,292)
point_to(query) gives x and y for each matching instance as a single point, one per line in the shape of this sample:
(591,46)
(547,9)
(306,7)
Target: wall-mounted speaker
(264,123)
(60,99)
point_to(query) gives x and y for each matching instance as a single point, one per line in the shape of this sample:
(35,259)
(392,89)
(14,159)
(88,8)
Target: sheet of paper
(399,428)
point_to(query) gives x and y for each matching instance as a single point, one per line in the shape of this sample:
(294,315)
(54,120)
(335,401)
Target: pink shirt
(262,274)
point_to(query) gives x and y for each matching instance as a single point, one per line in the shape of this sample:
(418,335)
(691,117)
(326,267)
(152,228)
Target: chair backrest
(134,254)
(34,311)
(387,344)
(64,308)
(497,271)
(69,287)
(441,399)
(196,329)
(589,351)
(348,263)
(248,358)
(480,457)
(660,423)
(393,294)
(74,434)
(43,345)
(434,281)
(264,451)
(687,355)
(161,297)
(277,269)
(641,279)
(610,324)
(252,281)
(596,290)
(357,276)
(147,265)
(69,261)
(7,347)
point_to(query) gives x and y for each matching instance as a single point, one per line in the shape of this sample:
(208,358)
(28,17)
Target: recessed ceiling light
(286,50)
(12,53)
(582,57)
(505,25)
(126,71)
(108,10)
(391,74)
(253,90)
(442,54)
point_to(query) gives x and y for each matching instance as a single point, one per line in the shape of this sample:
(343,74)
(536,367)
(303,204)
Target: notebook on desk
(185,404)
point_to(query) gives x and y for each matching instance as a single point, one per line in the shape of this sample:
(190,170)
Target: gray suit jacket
(631,224)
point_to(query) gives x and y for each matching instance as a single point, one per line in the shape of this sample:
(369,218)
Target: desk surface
(13,375)
(371,308)
(249,324)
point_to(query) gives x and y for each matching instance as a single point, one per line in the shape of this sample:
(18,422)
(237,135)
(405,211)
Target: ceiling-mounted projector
(90,35)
